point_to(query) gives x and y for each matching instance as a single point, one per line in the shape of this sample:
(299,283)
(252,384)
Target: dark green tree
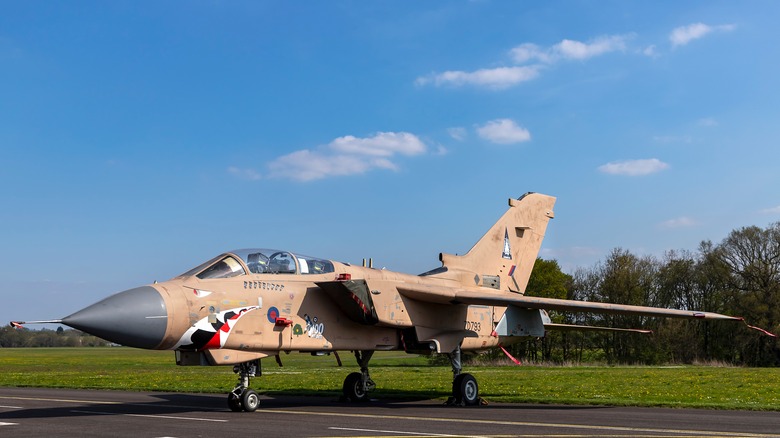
(548,281)
(752,281)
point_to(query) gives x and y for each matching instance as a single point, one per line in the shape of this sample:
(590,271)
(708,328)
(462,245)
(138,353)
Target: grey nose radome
(135,318)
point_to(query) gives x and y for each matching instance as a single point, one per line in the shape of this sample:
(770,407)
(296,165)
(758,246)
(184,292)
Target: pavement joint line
(166,417)
(675,432)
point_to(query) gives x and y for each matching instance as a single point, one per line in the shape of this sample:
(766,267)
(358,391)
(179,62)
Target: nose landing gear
(242,398)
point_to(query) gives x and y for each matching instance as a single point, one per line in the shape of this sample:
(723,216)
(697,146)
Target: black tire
(469,390)
(465,390)
(234,402)
(250,400)
(353,388)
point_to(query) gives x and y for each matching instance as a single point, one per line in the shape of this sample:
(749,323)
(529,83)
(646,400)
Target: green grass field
(400,376)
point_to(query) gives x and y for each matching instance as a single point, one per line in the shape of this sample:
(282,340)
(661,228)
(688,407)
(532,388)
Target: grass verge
(400,376)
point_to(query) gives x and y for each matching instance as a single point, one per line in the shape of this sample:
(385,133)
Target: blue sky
(138,139)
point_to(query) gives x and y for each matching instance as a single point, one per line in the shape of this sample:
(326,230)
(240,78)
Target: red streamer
(761,330)
(512,358)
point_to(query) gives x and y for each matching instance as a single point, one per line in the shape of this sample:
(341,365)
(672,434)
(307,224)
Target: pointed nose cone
(135,318)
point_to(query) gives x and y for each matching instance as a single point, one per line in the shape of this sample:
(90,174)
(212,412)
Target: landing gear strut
(465,390)
(358,385)
(241,398)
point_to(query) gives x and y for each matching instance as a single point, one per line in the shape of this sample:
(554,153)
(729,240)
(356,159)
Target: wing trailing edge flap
(445,295)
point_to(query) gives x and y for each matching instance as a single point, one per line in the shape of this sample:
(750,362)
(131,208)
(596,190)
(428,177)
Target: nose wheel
(242,398)
(247,400)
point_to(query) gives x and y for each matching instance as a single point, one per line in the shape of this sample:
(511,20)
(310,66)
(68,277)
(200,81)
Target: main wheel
(234,402)
(354,389)
(465,390)
(250,400)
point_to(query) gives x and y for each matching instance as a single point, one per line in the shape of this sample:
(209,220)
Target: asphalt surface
(83,413)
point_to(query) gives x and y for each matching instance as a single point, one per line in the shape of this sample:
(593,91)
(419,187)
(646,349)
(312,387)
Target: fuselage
(267,301)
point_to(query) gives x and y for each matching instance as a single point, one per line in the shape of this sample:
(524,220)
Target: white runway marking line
(8,424)
(166,417)
(632,430)
(60,400)
(99,402)
(11,407)
(351,429)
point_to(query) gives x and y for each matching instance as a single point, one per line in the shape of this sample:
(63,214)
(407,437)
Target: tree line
(21,337)
(739,276)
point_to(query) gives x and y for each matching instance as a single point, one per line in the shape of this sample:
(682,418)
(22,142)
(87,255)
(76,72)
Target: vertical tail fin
(504,257)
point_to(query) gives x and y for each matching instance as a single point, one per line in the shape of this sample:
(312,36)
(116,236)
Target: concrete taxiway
(82,413)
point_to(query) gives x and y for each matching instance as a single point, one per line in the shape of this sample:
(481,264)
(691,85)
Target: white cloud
(457,133)
(503,131)
(650,51)
(383,144)
(680,222)
(634,167)
(247,174)
(535,57)
(683,35)
(570,49)
(529,52)
(495,78)
(773,210)
(306,165)
(441,151)
(346,155)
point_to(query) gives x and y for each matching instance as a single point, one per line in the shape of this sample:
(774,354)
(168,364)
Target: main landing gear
(358,385)
(241,398)
(465,390)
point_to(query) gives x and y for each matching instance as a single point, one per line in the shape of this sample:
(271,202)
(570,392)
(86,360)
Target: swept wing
(444,295)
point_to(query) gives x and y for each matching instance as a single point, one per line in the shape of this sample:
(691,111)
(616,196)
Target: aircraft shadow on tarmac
(172,403)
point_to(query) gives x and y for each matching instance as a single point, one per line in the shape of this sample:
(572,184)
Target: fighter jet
(249,304)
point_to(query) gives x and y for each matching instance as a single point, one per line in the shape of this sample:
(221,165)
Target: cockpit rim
(256,261)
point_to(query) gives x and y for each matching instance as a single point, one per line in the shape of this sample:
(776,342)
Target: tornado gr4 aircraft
(245,305)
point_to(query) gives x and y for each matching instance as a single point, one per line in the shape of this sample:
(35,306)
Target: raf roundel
(273,313)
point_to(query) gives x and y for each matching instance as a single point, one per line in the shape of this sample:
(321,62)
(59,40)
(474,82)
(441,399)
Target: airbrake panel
(354,299)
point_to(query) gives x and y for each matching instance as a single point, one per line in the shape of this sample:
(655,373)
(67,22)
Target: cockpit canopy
(259,261)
